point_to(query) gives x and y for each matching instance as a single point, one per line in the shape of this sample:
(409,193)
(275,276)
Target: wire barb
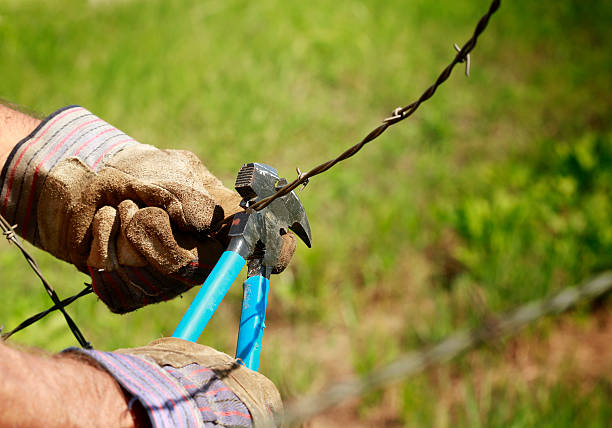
(395,114)
(300,175)
(399,114)
(10,234)
(466,59)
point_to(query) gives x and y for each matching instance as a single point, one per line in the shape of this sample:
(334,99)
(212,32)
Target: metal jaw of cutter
(255,236)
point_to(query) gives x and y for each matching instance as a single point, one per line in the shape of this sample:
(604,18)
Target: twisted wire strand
(85,291)
(12,237)
(399,114)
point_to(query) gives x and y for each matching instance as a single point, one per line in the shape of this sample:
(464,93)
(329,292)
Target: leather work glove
(180,383)
(135,218)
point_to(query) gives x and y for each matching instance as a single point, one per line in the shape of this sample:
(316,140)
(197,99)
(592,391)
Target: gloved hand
(180,383)
(134,217)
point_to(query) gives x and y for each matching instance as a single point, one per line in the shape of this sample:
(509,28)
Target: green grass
(496,192)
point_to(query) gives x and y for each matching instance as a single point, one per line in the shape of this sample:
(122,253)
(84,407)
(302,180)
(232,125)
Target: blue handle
(210,296)
(252,319)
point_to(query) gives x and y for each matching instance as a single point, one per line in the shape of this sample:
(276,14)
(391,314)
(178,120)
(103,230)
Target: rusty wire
(454,345)
(409,364)
(10,235)
(399,114)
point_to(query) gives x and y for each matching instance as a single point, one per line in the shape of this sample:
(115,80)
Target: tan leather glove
(134,217)
(181,383)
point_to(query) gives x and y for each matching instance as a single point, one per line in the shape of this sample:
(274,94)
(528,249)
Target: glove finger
(151,234)
(181,174)
(102,253)
(197,210)
(127,255)
(286,253)
(109,187)
(190,209)
(166,265)
(228,199)
(168,251)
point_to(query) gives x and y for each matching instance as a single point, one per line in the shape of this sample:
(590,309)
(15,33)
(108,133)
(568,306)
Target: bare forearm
(38,390)
(14,126)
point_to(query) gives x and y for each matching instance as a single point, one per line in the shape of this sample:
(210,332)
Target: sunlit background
(496,192)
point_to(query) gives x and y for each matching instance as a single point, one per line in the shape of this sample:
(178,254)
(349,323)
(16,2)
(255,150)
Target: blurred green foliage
(496,192)
(535,221)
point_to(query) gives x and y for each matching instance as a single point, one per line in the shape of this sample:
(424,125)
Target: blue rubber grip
(250,335)
(210,296)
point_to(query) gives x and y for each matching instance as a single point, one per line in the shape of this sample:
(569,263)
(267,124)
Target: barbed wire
(399,114)
(454,345)
(410,364)
(37,317)
(11,236)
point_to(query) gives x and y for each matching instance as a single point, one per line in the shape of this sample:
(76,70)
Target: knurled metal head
(254,182)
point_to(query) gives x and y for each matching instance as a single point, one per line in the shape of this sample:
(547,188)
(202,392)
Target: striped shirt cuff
(69,132)
(191,396)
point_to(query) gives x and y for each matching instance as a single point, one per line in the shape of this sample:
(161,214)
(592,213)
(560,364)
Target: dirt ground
(571,348)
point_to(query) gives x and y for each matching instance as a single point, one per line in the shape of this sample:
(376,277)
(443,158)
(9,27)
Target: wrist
(70,132)
(114,406)
(39,390)
(14,127)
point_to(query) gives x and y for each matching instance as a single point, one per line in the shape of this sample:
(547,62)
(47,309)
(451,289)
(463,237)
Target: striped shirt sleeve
(69,132)
(191,396)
